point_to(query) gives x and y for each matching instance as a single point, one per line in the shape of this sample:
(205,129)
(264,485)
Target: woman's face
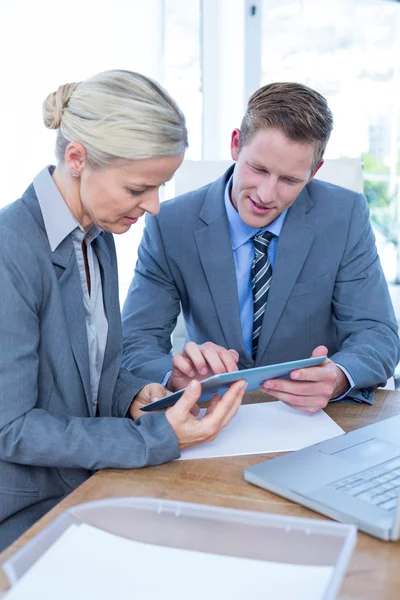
(115,197)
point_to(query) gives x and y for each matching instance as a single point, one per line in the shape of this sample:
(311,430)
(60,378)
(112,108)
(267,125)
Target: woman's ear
(75,158)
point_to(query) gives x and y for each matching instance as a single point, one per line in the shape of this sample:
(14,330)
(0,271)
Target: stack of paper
(86,563)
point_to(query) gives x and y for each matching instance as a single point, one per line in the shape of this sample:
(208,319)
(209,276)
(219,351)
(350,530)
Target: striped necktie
(261,274)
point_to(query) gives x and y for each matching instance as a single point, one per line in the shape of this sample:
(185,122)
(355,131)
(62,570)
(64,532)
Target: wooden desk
(374,571)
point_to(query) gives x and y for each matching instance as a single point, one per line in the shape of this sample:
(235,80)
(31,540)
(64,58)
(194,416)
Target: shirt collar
(58,220)
(240,232)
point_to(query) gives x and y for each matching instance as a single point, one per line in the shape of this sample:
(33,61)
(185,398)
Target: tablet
(218,384)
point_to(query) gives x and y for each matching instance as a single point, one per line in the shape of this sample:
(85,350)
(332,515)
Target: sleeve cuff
(166,378)
(350,380)
(354,395)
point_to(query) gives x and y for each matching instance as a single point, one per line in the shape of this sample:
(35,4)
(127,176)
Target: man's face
(269,174)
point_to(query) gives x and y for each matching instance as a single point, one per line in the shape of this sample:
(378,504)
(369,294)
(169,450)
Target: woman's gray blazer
(50,438)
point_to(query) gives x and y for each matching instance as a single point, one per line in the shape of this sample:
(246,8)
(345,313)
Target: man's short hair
(299,112)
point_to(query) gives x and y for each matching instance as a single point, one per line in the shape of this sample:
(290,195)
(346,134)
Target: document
(265,428)
(86,563)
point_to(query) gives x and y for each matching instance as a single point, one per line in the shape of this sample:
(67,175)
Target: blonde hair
(300,112)
(116,115)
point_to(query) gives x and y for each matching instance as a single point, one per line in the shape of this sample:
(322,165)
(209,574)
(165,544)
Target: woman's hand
(149,393)
(191,430)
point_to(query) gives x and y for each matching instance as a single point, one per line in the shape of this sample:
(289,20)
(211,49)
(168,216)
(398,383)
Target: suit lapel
(294,245)
(215,250)
(66,267)
(113,350)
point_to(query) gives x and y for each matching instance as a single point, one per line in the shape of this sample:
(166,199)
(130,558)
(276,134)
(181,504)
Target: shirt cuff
(166,378)
(351,381)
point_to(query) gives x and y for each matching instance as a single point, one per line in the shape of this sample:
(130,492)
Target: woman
(66,406)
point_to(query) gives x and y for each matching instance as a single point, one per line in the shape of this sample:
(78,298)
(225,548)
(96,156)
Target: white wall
(223,27)
(46,43)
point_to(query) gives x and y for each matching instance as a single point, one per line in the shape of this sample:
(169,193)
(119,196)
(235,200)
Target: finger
(228,360)
(235,354)
(303,388)
(310,374)
(195,410)
(320,351)
(313,372)
(325,375)
(213,403)
(227,406)
(188,399)
(214,361)
(193,352)
(316,402)
(305,409)
(183,365)
(235,407)
(156,390)
(149,393)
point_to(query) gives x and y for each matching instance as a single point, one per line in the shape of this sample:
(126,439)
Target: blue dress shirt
(243,254)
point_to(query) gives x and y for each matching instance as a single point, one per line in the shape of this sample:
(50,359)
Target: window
(182,69)
(349,50)
(180,74)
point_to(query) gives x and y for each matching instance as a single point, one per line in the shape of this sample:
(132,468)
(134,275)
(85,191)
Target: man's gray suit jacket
(327,287)
(50,440)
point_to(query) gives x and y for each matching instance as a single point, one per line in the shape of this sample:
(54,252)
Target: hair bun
(53,106)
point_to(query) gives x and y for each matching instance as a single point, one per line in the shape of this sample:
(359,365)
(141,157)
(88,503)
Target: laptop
(352,478)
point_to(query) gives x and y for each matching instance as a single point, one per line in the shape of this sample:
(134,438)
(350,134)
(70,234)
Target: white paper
(86,563)
(264,428)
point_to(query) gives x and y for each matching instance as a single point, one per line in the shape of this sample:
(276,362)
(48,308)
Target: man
(310,284)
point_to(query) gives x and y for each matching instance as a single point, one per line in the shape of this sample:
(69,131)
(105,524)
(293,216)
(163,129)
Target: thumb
(320,351)
(192,393)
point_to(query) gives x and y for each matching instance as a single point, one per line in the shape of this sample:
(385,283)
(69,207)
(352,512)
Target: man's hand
(200,361)
(311,388)
(191,430)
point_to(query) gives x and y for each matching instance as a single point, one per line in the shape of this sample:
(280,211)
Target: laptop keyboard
(379,485)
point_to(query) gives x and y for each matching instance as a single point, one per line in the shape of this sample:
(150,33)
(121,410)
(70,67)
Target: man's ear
(317,168)
(235,141)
